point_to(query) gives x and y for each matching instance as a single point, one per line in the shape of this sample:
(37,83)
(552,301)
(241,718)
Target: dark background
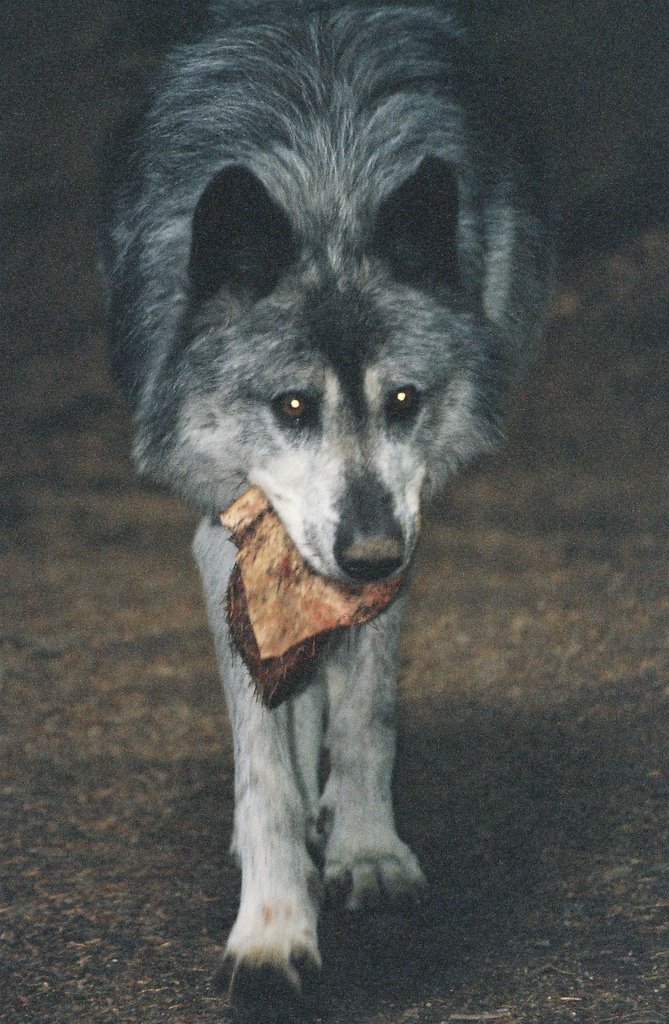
(532,771)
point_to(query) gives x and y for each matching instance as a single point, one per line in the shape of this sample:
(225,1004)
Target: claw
(370,882)
(270,990)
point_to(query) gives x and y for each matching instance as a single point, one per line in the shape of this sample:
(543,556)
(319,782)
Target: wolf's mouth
(279,609)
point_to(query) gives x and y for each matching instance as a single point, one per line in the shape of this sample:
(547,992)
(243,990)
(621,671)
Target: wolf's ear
(416,227)
(241,239)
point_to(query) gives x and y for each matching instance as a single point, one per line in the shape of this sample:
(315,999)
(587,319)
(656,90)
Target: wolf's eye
(294,408)
(402,403)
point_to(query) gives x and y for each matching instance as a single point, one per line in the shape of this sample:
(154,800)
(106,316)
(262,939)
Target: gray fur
(334,109)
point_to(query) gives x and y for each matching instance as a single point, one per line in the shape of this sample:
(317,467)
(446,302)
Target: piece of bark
(280,611)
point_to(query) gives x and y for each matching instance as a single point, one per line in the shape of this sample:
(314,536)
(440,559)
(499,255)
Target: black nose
(369,544)
(369,557)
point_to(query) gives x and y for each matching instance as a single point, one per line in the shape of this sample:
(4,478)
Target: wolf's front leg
(365,860)
(272,949)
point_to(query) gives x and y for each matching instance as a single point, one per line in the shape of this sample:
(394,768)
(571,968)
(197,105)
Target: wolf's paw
(369,878)
(263,988)
(272,965)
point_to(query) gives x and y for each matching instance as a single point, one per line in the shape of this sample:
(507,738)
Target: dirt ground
(532,769)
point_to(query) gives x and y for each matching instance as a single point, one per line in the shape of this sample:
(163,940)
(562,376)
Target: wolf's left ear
(242,240)
(416,227)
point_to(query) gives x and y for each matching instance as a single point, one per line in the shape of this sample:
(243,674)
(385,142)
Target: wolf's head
(345,373)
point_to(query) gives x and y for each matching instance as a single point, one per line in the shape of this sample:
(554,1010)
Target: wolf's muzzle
(370,558)
(369,543)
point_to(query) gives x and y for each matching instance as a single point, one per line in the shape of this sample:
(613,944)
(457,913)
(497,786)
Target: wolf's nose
(369,558)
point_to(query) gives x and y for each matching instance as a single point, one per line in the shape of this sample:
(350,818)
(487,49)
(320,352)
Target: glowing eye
(402,402)
(294,407)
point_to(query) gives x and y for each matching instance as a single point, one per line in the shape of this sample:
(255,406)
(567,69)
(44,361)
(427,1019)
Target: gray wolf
(326,258)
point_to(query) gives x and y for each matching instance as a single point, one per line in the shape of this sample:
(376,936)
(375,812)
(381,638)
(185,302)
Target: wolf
(327,253)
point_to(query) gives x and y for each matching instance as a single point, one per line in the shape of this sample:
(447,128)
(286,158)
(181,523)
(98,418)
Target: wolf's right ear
(241,239)
(416,231)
